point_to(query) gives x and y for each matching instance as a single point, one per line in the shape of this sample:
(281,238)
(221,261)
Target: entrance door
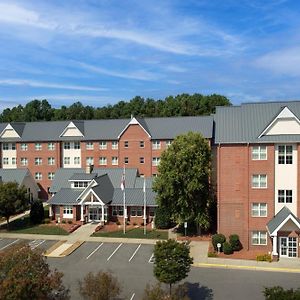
(288,246)
(95,214)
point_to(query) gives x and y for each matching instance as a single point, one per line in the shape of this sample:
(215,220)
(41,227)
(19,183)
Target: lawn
(23,225)
(135,233)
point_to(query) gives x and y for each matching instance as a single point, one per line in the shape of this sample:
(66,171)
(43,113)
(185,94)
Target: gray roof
(17,175)
(104,190)
(82,176)
(244,123)
(134,196)
(62,176)
(158,128)
(279,218)
(65,196)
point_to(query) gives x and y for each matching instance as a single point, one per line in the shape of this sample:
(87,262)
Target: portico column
(81,213)
(50,211)
(274,252)
(102,217)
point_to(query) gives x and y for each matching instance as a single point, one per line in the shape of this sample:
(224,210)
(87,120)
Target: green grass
(23,225)
(136,233)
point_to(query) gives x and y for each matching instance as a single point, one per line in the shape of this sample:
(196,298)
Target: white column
(50,211)
(102,217)
(81,213)
(274,252)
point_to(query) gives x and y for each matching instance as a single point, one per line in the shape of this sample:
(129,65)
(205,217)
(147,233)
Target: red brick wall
(235,194)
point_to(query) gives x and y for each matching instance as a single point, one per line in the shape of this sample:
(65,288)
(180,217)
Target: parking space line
(9,244)
(115,251)
(134,253)
(132,296)
(37,245)
(94,251)
(150,261)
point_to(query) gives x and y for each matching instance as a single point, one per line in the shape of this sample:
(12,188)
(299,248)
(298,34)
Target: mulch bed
(67,227)
(112,226)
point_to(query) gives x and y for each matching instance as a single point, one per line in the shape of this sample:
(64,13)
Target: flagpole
(144,189)
(124,206)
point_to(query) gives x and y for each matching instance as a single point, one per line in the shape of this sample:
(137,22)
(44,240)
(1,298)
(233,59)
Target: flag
(123,180)
(144,186)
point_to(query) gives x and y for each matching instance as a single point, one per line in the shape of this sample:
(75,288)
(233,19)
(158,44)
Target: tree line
(180,105)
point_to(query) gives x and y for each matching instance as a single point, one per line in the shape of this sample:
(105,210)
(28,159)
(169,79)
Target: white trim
(9,127)
(71,125)
(289,217)
(133,121)
(284,114)
(91,203)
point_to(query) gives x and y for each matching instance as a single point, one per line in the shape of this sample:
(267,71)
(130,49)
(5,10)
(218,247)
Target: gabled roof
(77,128)
(135,121)
(104,190)
(280,219)
(65,196)
(15,128)
(11,175)
(245,123)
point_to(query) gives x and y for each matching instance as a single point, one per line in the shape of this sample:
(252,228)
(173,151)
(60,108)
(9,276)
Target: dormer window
(80,184)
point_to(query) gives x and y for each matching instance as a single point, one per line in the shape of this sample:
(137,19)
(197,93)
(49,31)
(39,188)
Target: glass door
(95,214)
(288,247)
(283,246)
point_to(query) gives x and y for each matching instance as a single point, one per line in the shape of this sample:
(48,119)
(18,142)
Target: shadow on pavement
(196,291)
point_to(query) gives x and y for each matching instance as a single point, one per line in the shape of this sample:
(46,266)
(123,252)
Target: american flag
(123,180)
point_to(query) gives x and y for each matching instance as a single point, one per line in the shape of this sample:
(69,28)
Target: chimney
(89,169)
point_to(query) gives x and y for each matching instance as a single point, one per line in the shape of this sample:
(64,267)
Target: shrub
(162,218)
(63,221)
(218,238)
(212,254)
(264,257)
(227,249)
(235,243)
(70,222)
(278,293)
(37,212)
(118,223)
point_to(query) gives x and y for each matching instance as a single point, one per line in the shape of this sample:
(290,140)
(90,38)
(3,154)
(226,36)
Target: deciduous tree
(156,292)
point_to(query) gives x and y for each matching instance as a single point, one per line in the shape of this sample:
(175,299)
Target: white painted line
(132,296)
(150,259)
(36,245)
(134,253)
(9,244)
(115,251)
(94,251)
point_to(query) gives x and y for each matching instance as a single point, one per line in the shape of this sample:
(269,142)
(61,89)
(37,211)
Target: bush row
(234,243)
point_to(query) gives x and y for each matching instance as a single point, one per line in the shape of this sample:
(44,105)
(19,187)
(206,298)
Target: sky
(100,52)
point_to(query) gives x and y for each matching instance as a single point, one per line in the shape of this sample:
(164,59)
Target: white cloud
(282,62)
(40,84)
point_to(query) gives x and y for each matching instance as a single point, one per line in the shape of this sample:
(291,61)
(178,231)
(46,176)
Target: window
(126,160)
(51,175)
(76,145)
(259,153)
(5,146)
(114,160)
(114,210)
(5,160)
(51,146)
(126,144)
(155,145)
(67,145)
(13,146)
(68,211)
(120,210)
(133,211)
(114,145)
(77,160)
(80,184)
(285,154)
(259,209)
(38,161)
(38,176)
(102,145)
(24,161)
(102,161)
(24,147)
(285,196)
(168,143)
(142,144)
(259,181)
(139,211)
(259,238)
(66,160)
(142,160)
(154,175)
(51,161)
(38,146)
(13,160)
(89,160)
(151,211)
(155,161)
(89,145)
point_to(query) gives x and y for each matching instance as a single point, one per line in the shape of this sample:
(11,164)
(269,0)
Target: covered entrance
(95,214)
(288,246)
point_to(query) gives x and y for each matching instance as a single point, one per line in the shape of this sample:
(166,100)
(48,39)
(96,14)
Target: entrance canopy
(284,220)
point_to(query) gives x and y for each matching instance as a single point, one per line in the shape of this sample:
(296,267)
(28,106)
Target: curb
(253,268)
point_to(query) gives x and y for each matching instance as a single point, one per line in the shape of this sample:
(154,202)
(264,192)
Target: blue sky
(103,51)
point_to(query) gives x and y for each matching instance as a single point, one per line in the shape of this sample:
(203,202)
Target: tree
(99,286)
(182,185)
(278,293)
(37,212)
(172,261)
(24,274)
(13,200)
(156,292)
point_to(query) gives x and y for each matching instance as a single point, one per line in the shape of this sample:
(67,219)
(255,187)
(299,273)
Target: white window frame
(38,146)
(257,182)
(287,156)
(51,146)
(285,196)
(38,161)
(259,238)
(51,161)
(68,211)
(5,161)
(24,161)
(114,161)
(103,145)
(89,146)
(77,160)
(156,144)
(76,145)
(102,161)
(13,146)
(24,147)
(168,143)
(126,160)
(126,144)
(67,160)
(5,146)
(13,160)
(38,176)
(89,160)
(142,144)
(259,209)
(51,175)
(155,161)
(114,145)
(259,153)
(67,145)
(142,160)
